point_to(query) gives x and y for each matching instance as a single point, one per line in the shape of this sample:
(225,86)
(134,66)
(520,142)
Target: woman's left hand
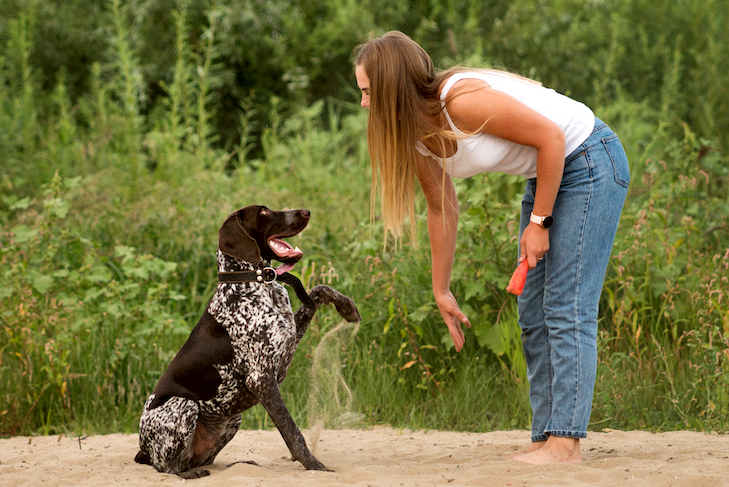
(534,244)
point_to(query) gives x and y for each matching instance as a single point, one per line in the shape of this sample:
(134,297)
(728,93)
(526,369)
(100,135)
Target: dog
(240,351)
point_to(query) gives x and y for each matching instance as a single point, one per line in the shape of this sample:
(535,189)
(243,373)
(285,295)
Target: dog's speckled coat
(237,355)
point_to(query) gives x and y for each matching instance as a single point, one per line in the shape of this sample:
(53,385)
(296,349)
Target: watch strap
(540,220)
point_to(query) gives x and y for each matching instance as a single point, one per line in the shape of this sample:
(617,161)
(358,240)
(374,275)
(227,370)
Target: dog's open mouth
(285,252)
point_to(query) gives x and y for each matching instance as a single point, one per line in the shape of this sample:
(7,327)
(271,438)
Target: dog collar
(268,275)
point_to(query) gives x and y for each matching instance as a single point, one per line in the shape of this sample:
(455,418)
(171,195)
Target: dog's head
(255,232)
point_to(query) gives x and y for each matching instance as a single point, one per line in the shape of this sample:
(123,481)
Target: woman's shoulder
(462,82)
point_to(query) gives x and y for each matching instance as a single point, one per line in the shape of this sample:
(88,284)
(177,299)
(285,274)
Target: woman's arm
(440,196)
(510,119)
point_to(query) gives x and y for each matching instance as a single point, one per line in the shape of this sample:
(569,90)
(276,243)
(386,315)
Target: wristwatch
(542,221)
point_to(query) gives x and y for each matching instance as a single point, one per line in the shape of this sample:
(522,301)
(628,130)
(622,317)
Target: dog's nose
(305,213)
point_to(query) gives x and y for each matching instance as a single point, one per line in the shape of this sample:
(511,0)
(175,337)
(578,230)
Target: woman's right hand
(453,317)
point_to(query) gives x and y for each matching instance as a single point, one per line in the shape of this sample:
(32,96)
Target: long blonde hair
(404,96)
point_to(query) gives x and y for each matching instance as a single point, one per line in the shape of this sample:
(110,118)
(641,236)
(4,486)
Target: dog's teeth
(297,249)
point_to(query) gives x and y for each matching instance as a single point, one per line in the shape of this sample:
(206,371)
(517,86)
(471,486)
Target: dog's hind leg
(270,397)
(208,446)
(166,437)
(323,294)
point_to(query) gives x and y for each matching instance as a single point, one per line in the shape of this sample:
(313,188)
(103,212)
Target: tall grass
(110,207)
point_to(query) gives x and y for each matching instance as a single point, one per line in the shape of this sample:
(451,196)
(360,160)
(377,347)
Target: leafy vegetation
(129,133)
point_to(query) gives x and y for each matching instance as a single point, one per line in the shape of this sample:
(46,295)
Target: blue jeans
(559,306)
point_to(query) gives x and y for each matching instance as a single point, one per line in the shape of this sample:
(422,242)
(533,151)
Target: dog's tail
(142,458)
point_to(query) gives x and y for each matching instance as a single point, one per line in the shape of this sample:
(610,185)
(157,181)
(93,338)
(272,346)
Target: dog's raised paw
(348,311)
(343,303)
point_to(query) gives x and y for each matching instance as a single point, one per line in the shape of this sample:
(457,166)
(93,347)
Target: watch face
(547,222)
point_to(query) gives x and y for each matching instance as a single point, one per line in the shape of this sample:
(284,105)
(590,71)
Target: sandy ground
(380,457)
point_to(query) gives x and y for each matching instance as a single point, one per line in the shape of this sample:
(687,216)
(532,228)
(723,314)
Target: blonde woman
(433,126)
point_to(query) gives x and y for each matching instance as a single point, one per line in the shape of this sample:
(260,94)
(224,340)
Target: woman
(434,126)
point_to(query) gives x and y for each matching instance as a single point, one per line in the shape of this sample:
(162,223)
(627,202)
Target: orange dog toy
(518,279)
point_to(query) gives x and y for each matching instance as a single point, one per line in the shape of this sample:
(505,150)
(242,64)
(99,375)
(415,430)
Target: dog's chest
(262,330)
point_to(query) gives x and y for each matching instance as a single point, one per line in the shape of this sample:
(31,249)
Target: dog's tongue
(284,250)
(283,268)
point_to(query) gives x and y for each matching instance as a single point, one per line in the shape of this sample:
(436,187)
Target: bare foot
(555,450)
(536,445)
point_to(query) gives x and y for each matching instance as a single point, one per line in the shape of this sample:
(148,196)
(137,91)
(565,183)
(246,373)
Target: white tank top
(487,153)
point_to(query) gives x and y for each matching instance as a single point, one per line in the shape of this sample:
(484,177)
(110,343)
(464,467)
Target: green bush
(123,156)
(82,333)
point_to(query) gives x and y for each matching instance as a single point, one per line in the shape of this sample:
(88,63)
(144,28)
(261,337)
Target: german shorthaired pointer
(240,350)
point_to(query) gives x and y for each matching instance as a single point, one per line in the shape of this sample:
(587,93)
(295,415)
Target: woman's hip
(600,159)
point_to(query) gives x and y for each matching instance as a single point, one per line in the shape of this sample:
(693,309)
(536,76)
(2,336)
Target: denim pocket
(618,158)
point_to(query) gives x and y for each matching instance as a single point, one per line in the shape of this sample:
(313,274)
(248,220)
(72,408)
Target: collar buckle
(267,275)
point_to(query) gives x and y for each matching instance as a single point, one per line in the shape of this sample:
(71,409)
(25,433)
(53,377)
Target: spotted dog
(240,350)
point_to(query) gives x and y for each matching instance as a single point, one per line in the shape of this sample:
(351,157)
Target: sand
(380,457)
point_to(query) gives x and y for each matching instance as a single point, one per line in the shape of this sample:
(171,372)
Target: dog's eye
(264,212)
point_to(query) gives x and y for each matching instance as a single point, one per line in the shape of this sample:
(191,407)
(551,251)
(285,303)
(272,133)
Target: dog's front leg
(270,397)
(323,294)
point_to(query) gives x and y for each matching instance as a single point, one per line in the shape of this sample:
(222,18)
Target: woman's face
(363,81)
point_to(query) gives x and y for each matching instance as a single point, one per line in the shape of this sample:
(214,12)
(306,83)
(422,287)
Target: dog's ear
(233,238)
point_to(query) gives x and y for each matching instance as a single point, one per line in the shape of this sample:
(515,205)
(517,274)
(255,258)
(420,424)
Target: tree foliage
(129,129)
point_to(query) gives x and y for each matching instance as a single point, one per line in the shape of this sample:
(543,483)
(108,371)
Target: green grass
(110,214)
